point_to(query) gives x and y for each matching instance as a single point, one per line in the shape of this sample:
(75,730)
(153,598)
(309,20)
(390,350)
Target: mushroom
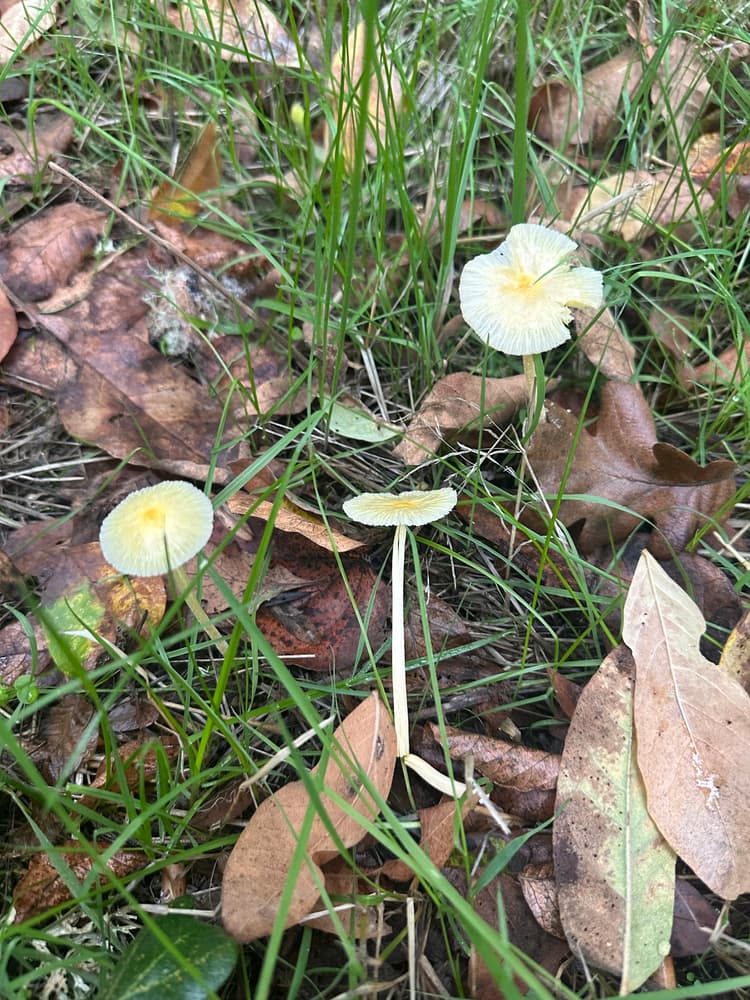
(398,510)
(157,530)
(517,298)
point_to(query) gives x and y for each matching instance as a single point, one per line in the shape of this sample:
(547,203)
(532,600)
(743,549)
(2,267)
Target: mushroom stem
(438,780)
(184,588)
(398,653)
(529,371)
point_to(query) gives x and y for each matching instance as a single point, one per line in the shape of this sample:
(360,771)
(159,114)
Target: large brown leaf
(623,476)
(693,725)
(363,747)
(112,386)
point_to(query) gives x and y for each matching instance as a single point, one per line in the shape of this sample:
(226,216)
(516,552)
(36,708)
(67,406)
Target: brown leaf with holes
(42,888)
(563,115)
(524,778)
(46,251)
(618,461)
(692,722)
(456,406)
(364,746)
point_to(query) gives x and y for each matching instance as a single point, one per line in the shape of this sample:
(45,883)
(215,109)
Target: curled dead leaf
(362,757)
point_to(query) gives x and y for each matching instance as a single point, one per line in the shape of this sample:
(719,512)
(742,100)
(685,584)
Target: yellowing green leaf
(615,874)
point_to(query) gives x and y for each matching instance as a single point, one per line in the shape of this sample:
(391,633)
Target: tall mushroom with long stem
(517,299)
(157,530)
(399,510)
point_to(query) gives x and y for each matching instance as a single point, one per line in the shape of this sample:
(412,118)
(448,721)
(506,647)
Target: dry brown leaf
(604,344)
(615,875)
(61,748)
(238,30)
(693,726)
(457,404)
(635,203)
(316,626)
(384,96)
(540,892)
(724,171)
(557,116)
(172,203)
(567,692)
(257,870)
(694,920)
(140,763)
(437,826)
(524,778)
(22,24)
(708,585)
(113,387)
(519,925)
(46,251)
(619,460)
(42,888)
(23,155)
(8,325)
(681,90)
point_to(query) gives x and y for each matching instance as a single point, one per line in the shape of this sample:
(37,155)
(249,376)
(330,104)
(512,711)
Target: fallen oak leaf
(620,475)
(693,726)
(353,777)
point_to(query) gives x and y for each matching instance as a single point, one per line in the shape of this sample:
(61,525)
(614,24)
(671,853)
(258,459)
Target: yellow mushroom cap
(157,528)
(518,297)
(390,509)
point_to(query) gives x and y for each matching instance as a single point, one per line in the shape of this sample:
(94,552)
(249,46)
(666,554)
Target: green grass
(368,259)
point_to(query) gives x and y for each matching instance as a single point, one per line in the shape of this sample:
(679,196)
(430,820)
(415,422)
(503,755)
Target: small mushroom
(398,510)
(157,530)
(517,298)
